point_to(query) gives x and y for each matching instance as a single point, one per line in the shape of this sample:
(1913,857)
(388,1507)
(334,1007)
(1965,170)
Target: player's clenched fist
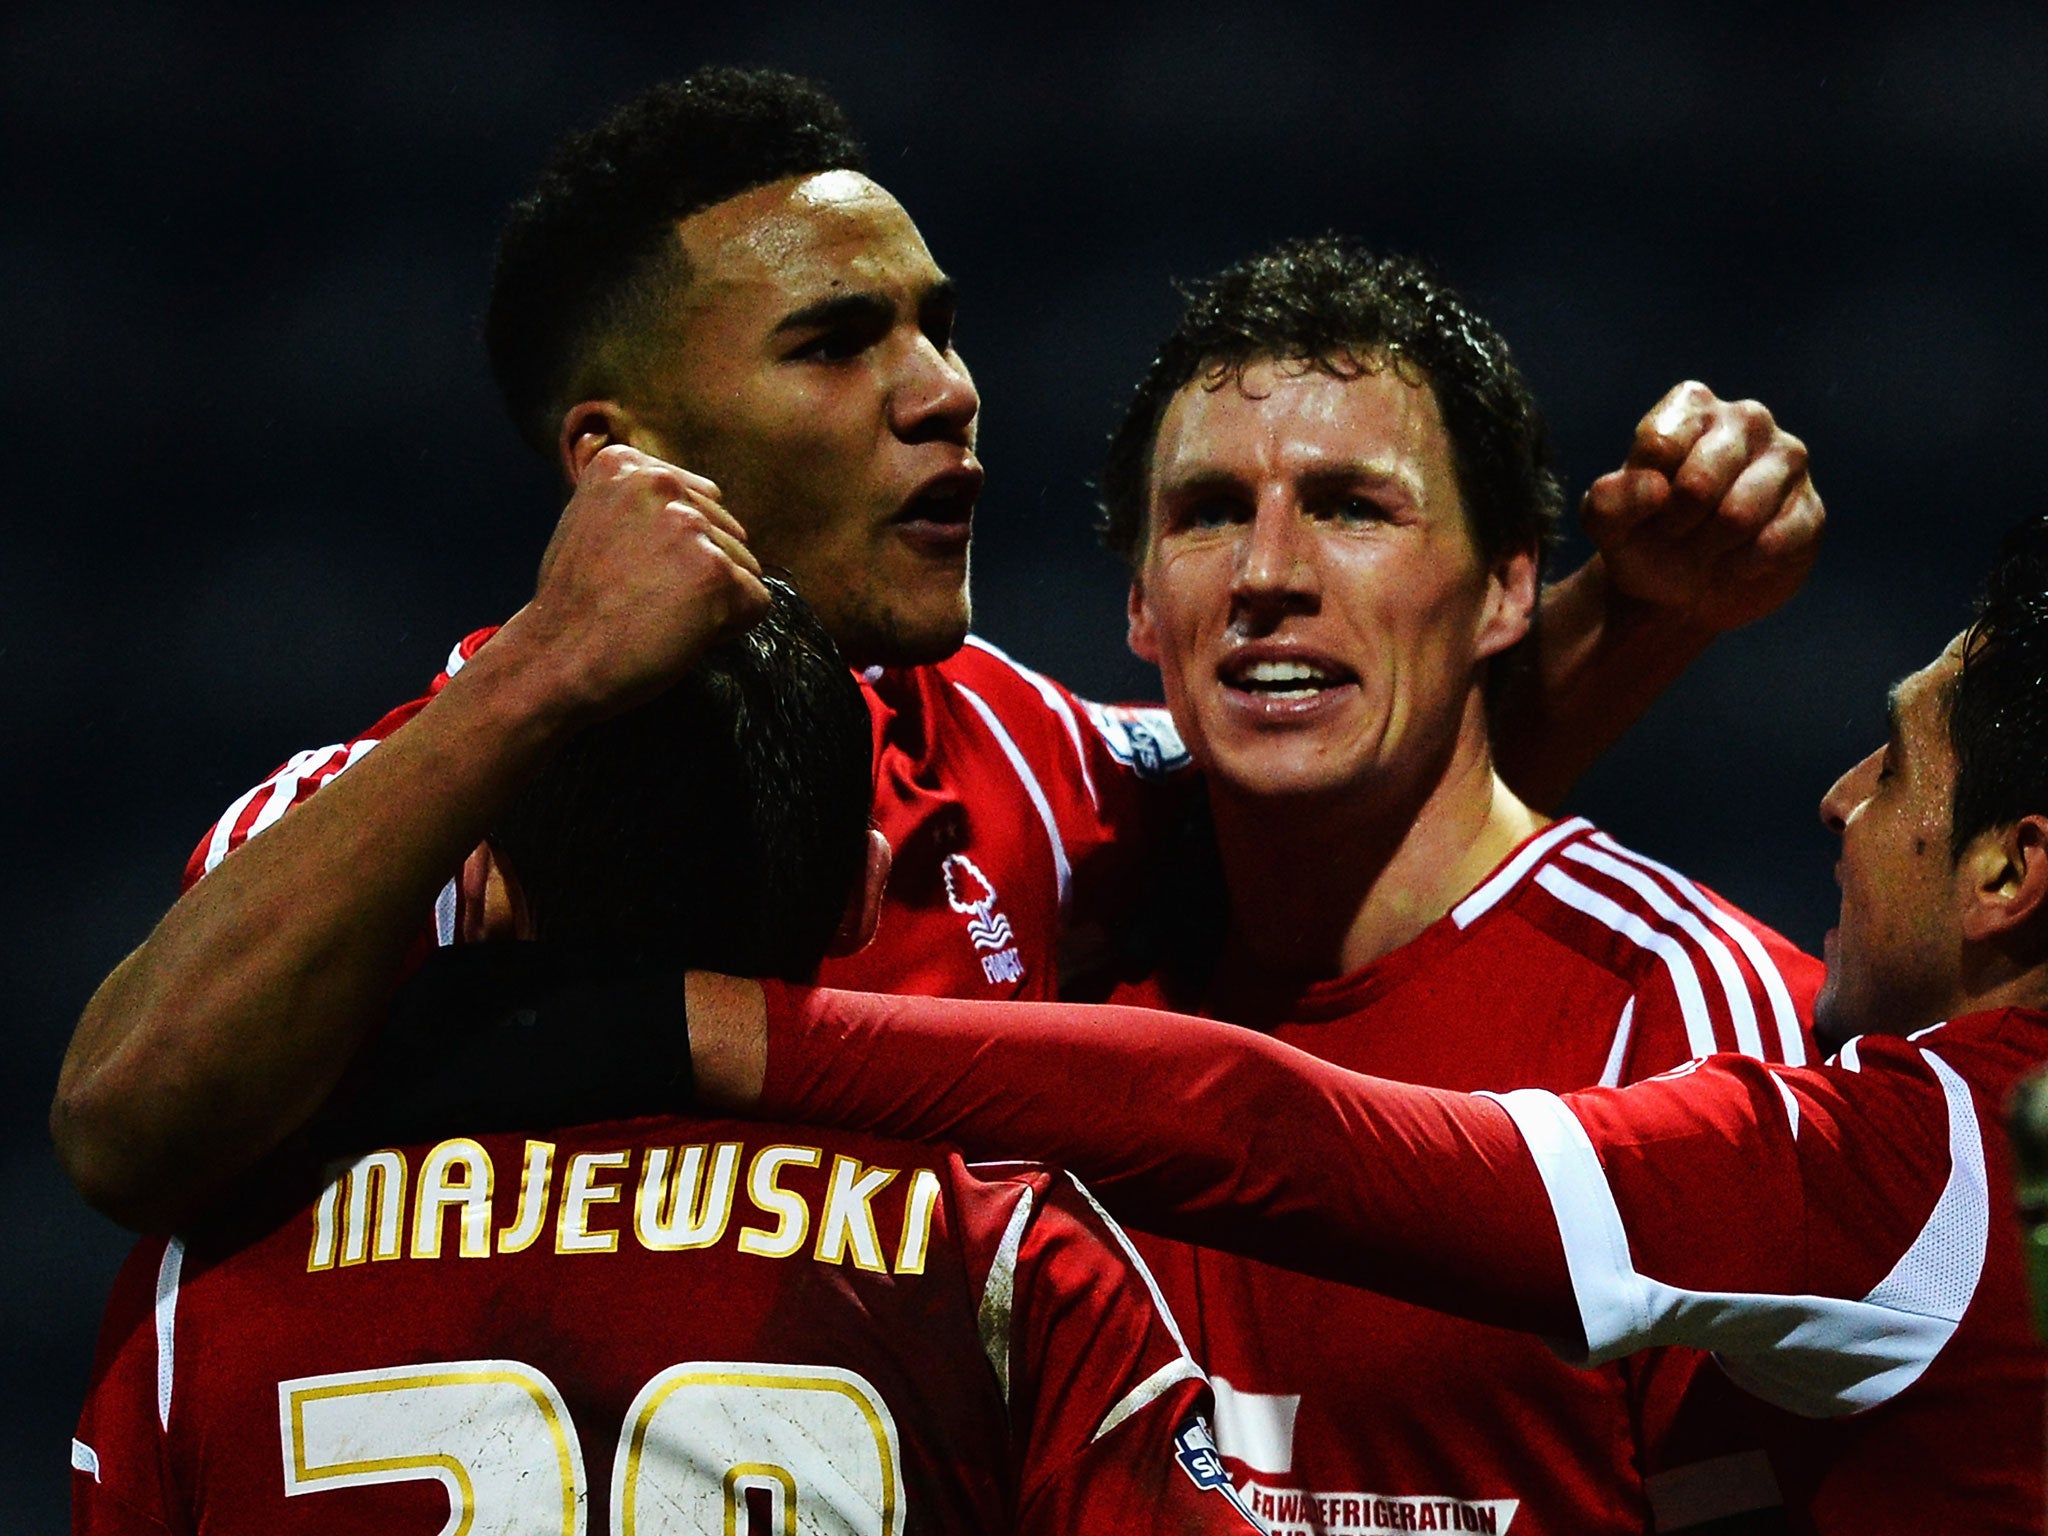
(644,572)
(1713,515)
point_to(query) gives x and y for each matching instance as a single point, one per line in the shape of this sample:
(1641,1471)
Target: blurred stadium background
(257,480)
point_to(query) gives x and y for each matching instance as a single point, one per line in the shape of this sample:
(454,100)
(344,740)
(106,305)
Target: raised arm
(1712,521)
(1687,1209)
(1182,1126)
(226,1029)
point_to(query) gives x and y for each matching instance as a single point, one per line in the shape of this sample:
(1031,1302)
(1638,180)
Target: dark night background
(257,480)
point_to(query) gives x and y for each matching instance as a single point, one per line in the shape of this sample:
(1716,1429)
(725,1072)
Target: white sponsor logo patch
(1142,739)
(969,893)
(1299,1512)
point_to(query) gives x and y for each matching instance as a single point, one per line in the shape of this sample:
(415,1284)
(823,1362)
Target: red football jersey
(658,1325)
(1576,962)
(1015,811)
(1842,1239)
(1837,1235)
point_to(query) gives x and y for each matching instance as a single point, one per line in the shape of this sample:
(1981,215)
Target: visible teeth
(1273,672)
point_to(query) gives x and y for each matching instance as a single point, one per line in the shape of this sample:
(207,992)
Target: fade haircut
(721,825)
(590,255)
(1331,306)
(1998,703)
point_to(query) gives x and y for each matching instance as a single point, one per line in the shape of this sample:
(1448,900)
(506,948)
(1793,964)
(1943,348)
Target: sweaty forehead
(1279,418)
(1920,700)
(798,240)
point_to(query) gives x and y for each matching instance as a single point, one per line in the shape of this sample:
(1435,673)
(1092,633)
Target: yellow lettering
(386,1172)
(534,1187)
(687,1211)
(849,1218)
(792,1216)
(917,1222)
(580,1191)
(324,1213)
(456,1172)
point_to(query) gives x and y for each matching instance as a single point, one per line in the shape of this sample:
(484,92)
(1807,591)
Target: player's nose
(1275,564)
(1847,793)
(936,397)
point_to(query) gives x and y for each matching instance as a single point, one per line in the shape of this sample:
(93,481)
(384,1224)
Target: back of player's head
(1998,710)
(722,824)
(1331,305)
(591,253)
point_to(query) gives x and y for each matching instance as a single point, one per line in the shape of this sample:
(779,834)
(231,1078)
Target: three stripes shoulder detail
(1731,993)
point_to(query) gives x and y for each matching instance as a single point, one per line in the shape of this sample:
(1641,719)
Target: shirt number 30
(712,1446)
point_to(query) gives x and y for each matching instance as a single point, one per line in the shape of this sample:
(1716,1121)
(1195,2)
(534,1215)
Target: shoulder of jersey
(1729,972)
(1140,737)
(459,657)
(304,772)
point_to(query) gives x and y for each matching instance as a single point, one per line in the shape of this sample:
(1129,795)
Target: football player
(1839,1235)
(739,350)
(1333,490)
(1331,486)
(653,1323)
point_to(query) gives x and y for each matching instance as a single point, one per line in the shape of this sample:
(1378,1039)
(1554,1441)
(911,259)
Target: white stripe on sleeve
(1053,702)
(1791,1038)
(1818,1356)
(1173,1371)
(1685,980)
(1061,871)
(281,792)
(1148,1392)
(1733,987)
(446,906)
(1791,1104)
(999,1295)
(1489,891)
(1617,1054)
(167,1325)
(1137,1263)
(84,1458)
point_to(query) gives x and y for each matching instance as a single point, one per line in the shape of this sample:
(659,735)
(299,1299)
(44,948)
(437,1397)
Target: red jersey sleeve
(1199,1131)
(1104,1396)
(1821,1229)
(304,772)
(117,1464)
(1108,780)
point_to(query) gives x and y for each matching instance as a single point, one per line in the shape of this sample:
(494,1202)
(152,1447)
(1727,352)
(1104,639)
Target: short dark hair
(722,824)
(590,250)
(1998,705)
(1332,306)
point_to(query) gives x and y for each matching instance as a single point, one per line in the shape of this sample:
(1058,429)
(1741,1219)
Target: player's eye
(835,345)
(1356,509)
(1210,512)
(843,339)
(1352,509)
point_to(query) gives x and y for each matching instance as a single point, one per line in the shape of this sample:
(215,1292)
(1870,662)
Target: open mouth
(1293,678)
(945,501)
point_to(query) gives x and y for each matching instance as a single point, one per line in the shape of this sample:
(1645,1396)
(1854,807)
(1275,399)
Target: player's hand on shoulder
(1713,516)
(645,571)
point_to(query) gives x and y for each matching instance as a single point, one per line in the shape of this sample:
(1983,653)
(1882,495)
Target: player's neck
(1992,980)
(1317,892)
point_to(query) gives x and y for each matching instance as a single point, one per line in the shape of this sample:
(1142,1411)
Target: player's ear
(864,910)
(2002,880)
(1510,601)
(589,427)
(1143,637)
(490,903)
